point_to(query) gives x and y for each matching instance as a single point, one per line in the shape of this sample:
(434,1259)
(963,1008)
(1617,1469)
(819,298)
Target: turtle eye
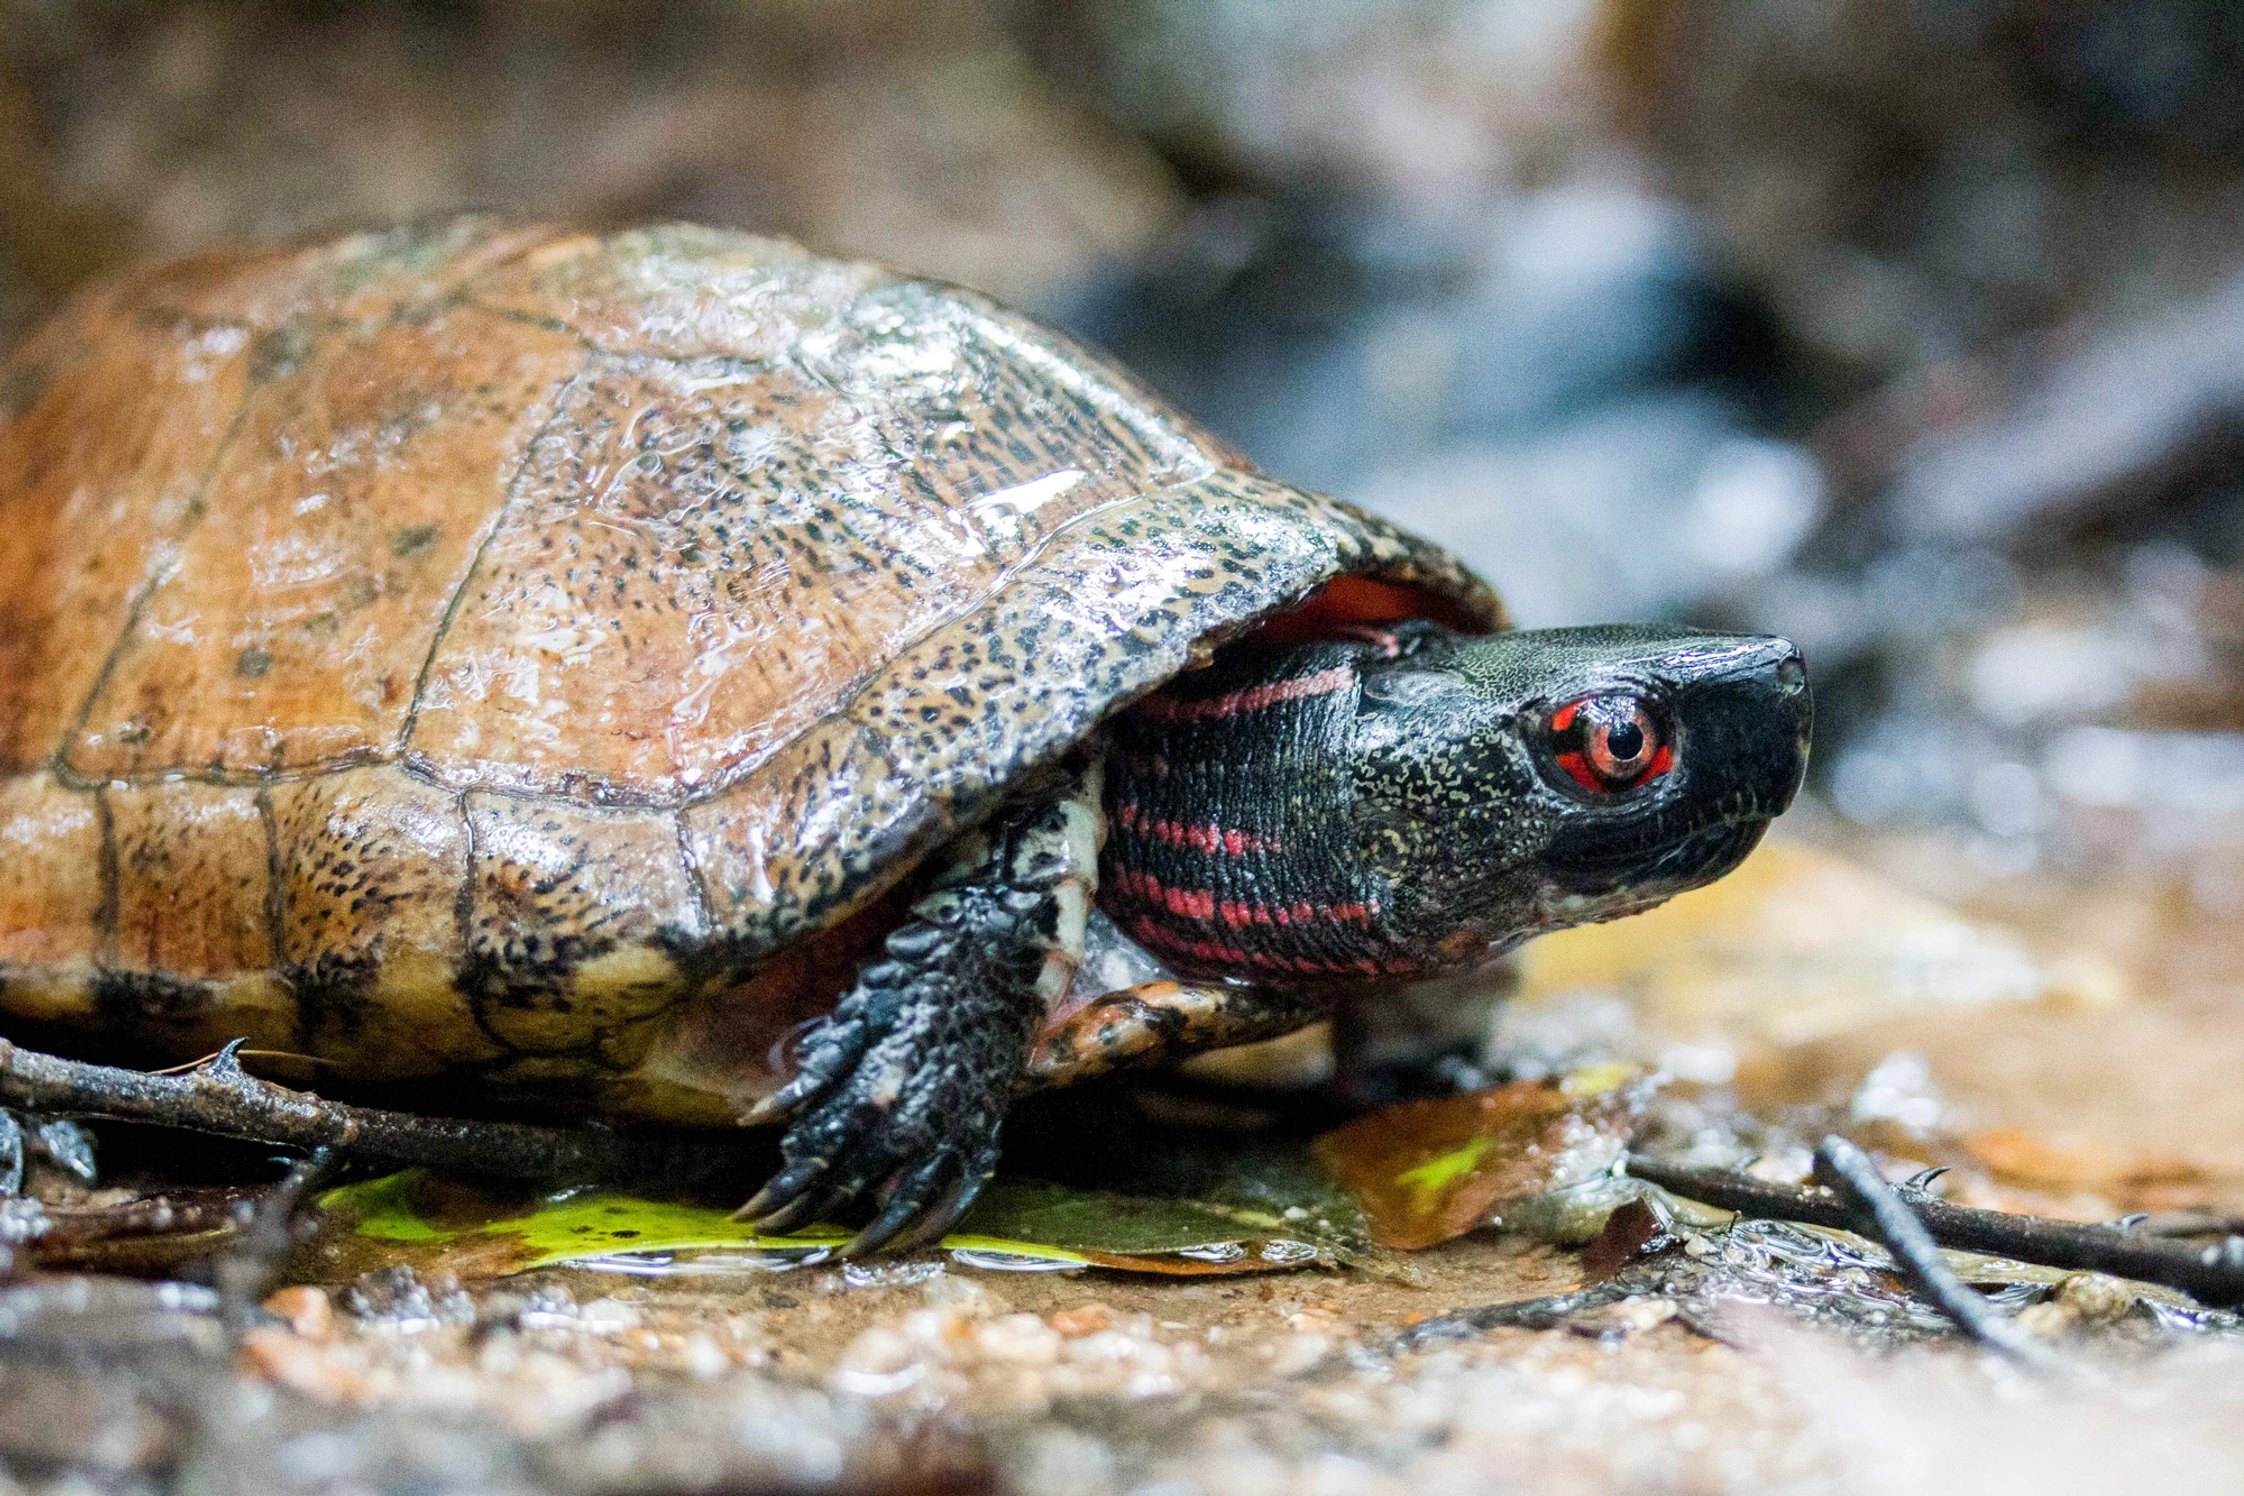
(1609,743)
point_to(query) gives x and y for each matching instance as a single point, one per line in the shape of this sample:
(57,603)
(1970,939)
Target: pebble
(1084,1319)
(306,1310)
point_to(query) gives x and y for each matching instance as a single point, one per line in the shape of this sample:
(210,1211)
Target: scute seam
(557,396)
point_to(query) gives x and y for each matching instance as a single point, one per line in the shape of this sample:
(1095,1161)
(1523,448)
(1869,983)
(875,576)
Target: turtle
(669,676)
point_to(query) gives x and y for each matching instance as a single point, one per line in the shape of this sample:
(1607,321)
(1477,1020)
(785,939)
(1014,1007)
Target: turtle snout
(1753,722)
(1792,704)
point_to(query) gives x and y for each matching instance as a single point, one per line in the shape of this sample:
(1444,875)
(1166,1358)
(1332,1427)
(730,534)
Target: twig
(1878,1212)
(158,1215)
(2173,1224)
(259,1250)
(2204,1274)
(220,1097)
(1544,1313)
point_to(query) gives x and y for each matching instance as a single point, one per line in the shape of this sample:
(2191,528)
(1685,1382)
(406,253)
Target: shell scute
(368,868)
(291,624)
(677,291)
(281,295)
(52,890)
(705,557)
(187,956)
(97,482)
(570,912)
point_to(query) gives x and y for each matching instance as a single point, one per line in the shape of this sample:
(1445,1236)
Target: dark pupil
(1625,741)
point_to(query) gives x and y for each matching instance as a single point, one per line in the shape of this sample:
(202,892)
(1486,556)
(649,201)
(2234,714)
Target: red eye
(1609,743)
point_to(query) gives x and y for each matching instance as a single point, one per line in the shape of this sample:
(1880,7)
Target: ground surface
(1753,1358)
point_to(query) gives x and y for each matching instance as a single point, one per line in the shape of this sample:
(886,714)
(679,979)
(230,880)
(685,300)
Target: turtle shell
(449,649)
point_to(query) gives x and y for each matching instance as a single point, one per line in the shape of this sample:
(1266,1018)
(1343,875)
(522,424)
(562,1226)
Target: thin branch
(253,1259)
(221,1098)
(2172,1224)
(157,1215)
(2207,1275)
(1544,1313)
(1879,1212)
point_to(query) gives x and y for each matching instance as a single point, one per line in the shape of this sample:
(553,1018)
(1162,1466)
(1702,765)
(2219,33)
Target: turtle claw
(775,1207)
(840,1042)
(903,1091)
(936,1221)
(931,1150)
(904,1206)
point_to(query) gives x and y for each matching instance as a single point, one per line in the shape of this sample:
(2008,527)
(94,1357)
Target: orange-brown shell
(452,649)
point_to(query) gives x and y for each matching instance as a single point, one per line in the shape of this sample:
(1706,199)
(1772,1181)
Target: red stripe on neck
(1252,699)
(1209,839)
(1215,953)
(1201,903)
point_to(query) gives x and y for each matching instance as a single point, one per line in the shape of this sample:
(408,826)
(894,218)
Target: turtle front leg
(59,1143)
(904,1089)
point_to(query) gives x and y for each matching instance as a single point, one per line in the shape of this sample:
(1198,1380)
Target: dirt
(1735,1360)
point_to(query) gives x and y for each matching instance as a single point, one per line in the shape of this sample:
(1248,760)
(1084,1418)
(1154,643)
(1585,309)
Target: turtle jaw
(1588,893)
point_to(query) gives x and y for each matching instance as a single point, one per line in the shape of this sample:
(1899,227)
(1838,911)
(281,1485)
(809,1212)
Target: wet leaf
(1427,1171)
(433,1223)
(430,1222)
(1632,1233)
(1794,946)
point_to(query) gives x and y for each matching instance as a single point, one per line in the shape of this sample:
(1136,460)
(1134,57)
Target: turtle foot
(902,1092)
(60,1144)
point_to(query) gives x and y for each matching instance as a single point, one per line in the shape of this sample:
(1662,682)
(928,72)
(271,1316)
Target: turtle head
(1527,781)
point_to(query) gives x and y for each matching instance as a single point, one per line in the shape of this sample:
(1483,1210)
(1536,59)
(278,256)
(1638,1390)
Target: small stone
(2097,1298)
(702,1358)
(1100,1346)
(1293,1354)
(1628,1317)
(289,1360)
(1084,1319)
(608,1316)
(1022,1339)
(306,1309)
(878,1361)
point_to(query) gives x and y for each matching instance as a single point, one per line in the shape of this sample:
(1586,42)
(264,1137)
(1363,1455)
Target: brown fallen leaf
(1796,946)
(1427,1171)
(1632,1233)
(2016,1156)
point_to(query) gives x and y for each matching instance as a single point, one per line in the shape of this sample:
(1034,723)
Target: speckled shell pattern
(469,653)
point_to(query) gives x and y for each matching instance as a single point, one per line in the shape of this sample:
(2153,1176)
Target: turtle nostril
(1792,674)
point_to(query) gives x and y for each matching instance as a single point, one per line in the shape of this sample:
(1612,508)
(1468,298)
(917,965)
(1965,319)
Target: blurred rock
(1557,385)
(2086,721)
(2110,421)
(1643,508)
(1423,99)
(917,135)
(1916,181)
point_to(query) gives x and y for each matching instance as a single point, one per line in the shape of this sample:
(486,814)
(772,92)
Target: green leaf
(1254,1208)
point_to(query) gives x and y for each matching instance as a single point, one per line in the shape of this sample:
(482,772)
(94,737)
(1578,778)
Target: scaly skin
(907,1084)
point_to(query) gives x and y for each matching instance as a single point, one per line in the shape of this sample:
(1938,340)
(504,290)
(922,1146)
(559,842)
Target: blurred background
(1911,328)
